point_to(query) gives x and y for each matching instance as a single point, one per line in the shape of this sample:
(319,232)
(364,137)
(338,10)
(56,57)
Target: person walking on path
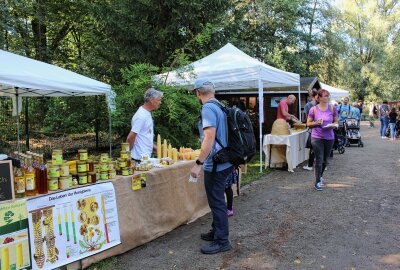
(212,127)
(344,110)
(141,136)
(392,123)
(313,95)
(322,136)
(355,113)
(371,114)
(384,118)
(231,179)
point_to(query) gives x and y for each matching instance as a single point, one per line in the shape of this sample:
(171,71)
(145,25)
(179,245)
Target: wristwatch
(198,162)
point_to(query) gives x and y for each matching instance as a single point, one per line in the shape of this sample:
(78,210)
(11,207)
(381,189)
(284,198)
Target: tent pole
(18,144)
(299,104)
(26,123)
(109,130)
(260,115)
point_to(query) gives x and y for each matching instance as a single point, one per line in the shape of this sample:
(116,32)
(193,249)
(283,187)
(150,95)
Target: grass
(253,174)
(106,264)
(253,171)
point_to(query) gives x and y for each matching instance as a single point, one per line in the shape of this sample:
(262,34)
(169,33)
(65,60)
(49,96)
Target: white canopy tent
(24,77)
(336,93)
(231,69)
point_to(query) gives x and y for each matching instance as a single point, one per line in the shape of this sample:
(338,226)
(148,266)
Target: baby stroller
(339,141)
(396,130)
(352,130)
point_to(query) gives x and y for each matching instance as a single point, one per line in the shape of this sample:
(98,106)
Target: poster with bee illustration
(14,244)
(70,225)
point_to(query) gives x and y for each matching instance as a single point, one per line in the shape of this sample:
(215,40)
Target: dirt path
(280,222)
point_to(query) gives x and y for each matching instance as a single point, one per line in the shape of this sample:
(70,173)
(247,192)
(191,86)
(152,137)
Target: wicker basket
(280,127)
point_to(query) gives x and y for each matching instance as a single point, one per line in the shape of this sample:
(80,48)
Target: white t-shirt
(142,125)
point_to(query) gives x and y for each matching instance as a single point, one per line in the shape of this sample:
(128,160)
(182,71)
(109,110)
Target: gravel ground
(280,222)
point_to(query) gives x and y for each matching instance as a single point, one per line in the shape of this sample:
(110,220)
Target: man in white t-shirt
(141,136)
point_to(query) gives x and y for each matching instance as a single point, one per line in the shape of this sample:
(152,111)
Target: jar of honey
(104,157)
(82,178)
(64,169)
(82,154)
(53,183)
(56,157)
(124,147)
(104,175)
(82,167)
(64,182)
(92,177)
(54,170)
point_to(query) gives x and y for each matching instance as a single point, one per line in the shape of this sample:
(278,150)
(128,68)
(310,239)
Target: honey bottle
(30,179)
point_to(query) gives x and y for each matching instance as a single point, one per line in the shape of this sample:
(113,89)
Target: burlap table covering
(167,202)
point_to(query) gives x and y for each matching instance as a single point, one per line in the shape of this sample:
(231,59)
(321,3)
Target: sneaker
(229,212)
(322,181)
(207,236)
(318,186)
(215,247)
(307,168)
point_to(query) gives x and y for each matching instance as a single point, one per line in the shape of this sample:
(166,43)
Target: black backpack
(241,140)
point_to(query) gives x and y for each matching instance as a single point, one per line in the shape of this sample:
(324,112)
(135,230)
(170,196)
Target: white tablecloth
(294,154)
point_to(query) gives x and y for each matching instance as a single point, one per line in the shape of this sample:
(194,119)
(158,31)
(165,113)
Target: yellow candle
(169,151)
(174,154)
(158,146)
(20,258)
(5,258)
(165,146)
(72,216)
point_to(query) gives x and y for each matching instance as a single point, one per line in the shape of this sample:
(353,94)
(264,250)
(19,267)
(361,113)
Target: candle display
(159,146)
(165,150)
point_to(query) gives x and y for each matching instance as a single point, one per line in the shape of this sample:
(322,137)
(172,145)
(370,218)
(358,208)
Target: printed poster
(14,244)
(70,225)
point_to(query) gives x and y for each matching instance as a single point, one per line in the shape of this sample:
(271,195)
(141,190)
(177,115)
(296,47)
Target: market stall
(24,77)
(290,149)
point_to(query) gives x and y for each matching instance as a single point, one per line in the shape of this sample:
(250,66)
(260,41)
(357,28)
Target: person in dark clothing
(392,123)
(313,94)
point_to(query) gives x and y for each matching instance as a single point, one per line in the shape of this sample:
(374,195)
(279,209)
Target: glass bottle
(30,179)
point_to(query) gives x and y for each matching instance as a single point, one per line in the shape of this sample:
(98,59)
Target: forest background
(350,44)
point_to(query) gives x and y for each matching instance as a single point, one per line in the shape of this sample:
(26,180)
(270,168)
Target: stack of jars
(106,167)
(85,168)
(124,164)
(59,176)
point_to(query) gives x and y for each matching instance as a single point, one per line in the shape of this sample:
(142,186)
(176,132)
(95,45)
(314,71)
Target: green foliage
(176,119)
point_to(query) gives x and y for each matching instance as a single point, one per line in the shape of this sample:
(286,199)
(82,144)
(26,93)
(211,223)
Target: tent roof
(34,78)
(231,69)
(336,93)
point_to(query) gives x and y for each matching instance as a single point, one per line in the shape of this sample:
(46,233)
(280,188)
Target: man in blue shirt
(355,113)
(344,110)
(212,126)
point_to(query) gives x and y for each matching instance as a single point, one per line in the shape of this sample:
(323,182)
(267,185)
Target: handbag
(308,143)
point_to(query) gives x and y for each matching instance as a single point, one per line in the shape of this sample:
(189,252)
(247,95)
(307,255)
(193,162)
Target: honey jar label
(136,182)
(20,184)
(83,156)
(30,183)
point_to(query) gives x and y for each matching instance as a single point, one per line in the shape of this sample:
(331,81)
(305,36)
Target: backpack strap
(223,108)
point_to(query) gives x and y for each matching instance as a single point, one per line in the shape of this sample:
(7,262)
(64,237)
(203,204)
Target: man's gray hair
(151,94)
(206,87)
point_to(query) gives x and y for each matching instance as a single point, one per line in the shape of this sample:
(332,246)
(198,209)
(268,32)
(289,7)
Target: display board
(14,244)
(70,225)
(6,181)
